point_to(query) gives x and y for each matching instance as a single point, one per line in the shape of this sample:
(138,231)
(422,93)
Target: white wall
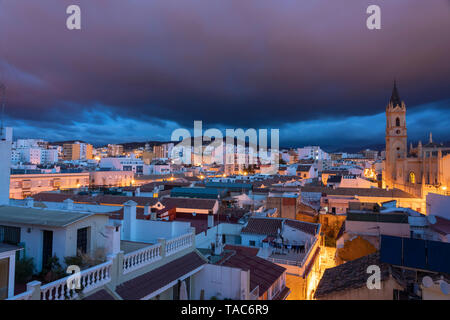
(220,281)
(246,238)
(438,205)
(150,231)
(295,236)
(204,241)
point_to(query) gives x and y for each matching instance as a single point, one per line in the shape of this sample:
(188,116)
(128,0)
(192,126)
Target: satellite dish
(427,281)
(445,287)
(431,219)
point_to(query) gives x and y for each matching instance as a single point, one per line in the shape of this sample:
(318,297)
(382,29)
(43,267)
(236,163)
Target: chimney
(210,220)
(112,239)
(68,204)
(29,202)
(129,220)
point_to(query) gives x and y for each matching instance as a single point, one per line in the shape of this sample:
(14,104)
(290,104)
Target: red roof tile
(310,228)
(242,249)
(150,282)
(263,226)
(100,295)
(263,273)
(442,226)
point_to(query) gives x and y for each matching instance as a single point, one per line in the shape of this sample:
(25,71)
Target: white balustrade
(23,296)
(90,279)
(178,244)
(140,258)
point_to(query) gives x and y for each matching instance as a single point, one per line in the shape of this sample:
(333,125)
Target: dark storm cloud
(231,63)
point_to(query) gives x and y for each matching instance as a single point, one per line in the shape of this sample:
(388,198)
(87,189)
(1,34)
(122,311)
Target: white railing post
(162,242)
(35,288)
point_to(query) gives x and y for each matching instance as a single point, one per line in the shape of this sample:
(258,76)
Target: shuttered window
(10,235)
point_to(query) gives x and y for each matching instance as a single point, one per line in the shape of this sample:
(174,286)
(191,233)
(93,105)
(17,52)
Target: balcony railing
(23,296)
(141,258)
(97,276)
(178,244)
(90,279)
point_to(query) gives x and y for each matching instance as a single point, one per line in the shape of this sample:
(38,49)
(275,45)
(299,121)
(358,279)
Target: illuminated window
(412,177)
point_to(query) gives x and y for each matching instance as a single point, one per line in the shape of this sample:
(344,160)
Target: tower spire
(395,97)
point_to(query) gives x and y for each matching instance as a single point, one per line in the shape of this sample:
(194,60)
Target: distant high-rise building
(77,151)
(159,151)
(115,150)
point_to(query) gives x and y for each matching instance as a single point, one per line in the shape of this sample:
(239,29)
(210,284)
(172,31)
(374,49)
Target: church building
(420,170)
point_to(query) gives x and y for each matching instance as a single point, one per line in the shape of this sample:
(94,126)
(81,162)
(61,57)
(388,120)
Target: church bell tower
(396,134)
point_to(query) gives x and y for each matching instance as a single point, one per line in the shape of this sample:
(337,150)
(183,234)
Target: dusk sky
(139,69)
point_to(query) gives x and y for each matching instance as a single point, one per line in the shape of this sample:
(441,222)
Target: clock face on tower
(398,131)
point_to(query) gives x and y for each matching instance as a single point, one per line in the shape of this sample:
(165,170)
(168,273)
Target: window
(412,177)
(10,235)
(397,122)
(252,243)
(82,240)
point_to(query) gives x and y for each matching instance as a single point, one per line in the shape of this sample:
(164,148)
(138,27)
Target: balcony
(103,274)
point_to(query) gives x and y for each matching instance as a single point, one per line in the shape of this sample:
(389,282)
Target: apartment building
(77,151)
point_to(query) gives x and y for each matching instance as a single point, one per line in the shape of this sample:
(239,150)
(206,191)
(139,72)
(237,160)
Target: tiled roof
(99,199)
(242,249)
(442,226)
(263,226)
(150,282)
(362,192)
(189,203)
(100,295)
(310,228)
(350,275)
(270,226)
(263,273)
(303,208)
